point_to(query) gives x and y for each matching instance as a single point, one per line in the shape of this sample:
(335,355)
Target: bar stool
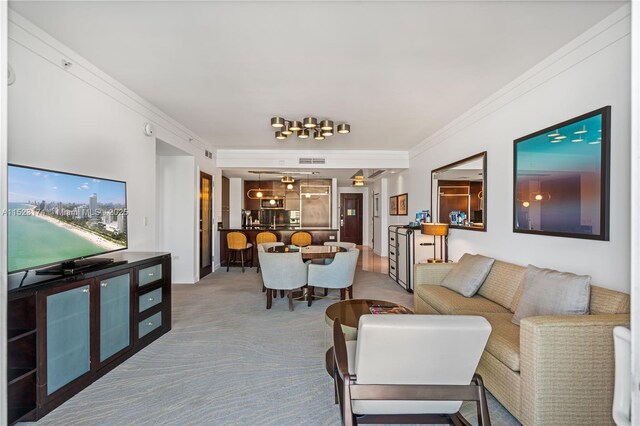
(301,239)
(237,242)
(264,237)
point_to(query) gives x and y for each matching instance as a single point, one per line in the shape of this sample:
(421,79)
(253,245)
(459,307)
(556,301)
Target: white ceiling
(396,71)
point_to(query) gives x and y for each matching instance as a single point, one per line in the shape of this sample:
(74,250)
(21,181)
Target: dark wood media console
(65,332)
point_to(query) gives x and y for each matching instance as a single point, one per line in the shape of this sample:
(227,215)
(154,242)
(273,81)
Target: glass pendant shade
(277,122)
(326,125)
(344,128)
(310,123)
(295,126)
(286,130)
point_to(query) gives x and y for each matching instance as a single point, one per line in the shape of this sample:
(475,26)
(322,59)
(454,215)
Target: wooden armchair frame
(347,389)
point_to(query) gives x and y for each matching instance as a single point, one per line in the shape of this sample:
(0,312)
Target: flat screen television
(58,218)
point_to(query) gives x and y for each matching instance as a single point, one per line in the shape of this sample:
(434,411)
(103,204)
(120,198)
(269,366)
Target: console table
(65,332)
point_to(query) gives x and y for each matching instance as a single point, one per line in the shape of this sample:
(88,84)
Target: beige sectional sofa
(550,370)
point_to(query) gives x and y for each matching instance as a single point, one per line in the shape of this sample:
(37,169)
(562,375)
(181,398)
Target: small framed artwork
(561,178)
(403,201)
(376,204)
(393,205)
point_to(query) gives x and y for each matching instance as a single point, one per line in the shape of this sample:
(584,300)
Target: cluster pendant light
(306,128)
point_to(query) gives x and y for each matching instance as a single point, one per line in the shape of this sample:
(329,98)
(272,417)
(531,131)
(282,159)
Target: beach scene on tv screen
(53,217)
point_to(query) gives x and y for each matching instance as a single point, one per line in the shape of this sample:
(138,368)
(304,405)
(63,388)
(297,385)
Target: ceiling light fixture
(577,140)
(560,137)
(322,128)
(287,179)
(551,135)
(358,183)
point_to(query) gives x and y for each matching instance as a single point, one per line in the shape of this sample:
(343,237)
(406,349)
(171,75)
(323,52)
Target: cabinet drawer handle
(85,290)
(104,284)
(149,323)
(393,254)
(393,267)
(150,274)
(151,299)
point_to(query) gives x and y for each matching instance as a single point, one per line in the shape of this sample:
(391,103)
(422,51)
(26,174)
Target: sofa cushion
(549,292)
(502,283)
(445,301)
(504,341)
(468,274)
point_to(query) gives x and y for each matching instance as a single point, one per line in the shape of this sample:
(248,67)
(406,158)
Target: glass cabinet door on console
(68,348)
(115,315)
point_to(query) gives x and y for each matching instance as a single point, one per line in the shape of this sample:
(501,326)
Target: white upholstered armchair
(282,271)
(410,368)
(337,274)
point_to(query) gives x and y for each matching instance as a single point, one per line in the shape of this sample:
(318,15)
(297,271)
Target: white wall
(590,72)
(80,120)
(176,192)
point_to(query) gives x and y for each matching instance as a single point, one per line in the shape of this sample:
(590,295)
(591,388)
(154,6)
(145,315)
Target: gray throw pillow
(468,274)
(549,292)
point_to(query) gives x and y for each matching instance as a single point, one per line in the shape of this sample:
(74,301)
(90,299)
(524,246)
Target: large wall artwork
(561,178)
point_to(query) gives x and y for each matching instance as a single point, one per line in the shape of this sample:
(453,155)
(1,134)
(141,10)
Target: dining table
(309,252)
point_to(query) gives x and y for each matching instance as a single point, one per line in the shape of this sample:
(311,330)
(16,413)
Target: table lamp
(437,230)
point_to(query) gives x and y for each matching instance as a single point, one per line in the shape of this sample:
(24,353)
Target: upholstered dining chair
(301,239)
(283,271)
(265,237)
(337,274)
(237,243)
(410,368)
(343,244)
(263,247)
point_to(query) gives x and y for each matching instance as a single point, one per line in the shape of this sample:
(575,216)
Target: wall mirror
(458,193)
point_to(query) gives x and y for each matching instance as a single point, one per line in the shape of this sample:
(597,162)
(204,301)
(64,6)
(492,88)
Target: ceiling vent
(309,160)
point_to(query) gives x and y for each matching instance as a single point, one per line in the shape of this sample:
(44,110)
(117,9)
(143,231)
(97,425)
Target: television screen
(55,217)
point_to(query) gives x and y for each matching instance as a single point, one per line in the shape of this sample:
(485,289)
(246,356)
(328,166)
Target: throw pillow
(468,274)
(549,292)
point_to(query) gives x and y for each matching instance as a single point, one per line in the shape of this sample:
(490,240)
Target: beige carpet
(229,361)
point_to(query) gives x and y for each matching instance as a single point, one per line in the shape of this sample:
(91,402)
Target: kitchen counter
(283,233)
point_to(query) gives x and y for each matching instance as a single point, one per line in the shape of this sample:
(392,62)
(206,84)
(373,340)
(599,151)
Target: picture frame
(393,205)
(561,178)
(376,204)
(403,204)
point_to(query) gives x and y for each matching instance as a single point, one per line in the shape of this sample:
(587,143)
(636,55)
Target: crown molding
(606,32)
(34,39)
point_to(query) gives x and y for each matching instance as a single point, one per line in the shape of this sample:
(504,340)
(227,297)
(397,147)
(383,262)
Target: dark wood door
(351,218)
(206,243)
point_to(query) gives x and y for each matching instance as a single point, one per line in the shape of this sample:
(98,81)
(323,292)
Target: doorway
(351,218)
(206,197)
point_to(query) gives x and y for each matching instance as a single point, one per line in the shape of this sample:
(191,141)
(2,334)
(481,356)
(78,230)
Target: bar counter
(283,233)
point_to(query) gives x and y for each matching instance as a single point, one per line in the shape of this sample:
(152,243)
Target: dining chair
(263,247)
(264,237)
(410,369)
(283,271)
(343,244)
(337,274)
(301,239)
(237,243)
